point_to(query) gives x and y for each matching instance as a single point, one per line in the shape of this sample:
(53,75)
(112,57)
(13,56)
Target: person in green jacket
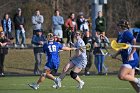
(100,23)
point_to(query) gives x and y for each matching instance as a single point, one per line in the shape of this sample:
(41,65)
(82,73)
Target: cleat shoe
(2,74)
(34,86)
(87,73)
(54,86)
(57,82)
(81,84)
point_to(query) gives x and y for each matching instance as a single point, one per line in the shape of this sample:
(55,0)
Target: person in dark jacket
(88,39)
(19,22)
(100,23)
(38,40)
(80,20)
(99,52)
(3,50)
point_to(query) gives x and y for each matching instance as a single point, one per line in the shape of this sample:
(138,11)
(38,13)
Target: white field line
(99,87)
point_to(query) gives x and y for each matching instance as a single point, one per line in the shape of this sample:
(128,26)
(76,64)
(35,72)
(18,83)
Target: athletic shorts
(79,62)
(131,64)
(52,65)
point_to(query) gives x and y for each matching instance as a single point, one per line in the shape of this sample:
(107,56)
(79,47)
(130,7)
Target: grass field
(19,63)
(93,84)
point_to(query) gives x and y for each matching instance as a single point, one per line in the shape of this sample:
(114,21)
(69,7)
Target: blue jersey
(127,37)
(52,52)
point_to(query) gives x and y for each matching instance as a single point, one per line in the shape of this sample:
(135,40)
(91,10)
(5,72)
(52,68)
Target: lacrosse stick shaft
(137,46)
(111,55)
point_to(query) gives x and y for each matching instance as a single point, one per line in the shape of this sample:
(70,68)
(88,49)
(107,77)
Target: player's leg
(47,73)
(35,86)
(43,76)
(79,65)
(66,68)
(134,85)
(74,75)
(124,73)
(40,80)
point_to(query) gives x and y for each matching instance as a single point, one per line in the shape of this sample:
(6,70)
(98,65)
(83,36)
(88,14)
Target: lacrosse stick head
(118,46)
(88,46)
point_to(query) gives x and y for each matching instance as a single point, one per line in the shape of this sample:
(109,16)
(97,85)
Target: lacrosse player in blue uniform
(52,53)
(129,56)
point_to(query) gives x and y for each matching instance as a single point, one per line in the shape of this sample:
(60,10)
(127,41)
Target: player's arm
(133,49)
(68,48)
(116,54)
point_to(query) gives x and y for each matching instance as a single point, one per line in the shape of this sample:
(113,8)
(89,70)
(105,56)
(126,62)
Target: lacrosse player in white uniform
(77,63)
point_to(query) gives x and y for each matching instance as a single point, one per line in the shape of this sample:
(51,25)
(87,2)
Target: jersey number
(52,48)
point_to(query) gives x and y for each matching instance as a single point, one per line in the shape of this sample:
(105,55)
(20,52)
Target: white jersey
(78,44)
(81,60)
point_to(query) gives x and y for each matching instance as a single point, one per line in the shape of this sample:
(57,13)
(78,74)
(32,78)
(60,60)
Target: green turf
(22,62)
(93,84)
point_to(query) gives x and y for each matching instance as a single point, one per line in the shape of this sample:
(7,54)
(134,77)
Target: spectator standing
(37,21)
(100,23)
(100,51)
(71,27)
(84,27)
(7,26)
(80,20)
(58,21)
(3,50)
(88,39)
(38,40)
(19,22)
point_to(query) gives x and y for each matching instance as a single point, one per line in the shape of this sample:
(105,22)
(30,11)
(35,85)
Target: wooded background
(113,11)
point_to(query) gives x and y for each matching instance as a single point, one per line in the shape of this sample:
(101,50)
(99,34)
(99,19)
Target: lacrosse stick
(117,46)
(87,47)
(107,53)
(137,68)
